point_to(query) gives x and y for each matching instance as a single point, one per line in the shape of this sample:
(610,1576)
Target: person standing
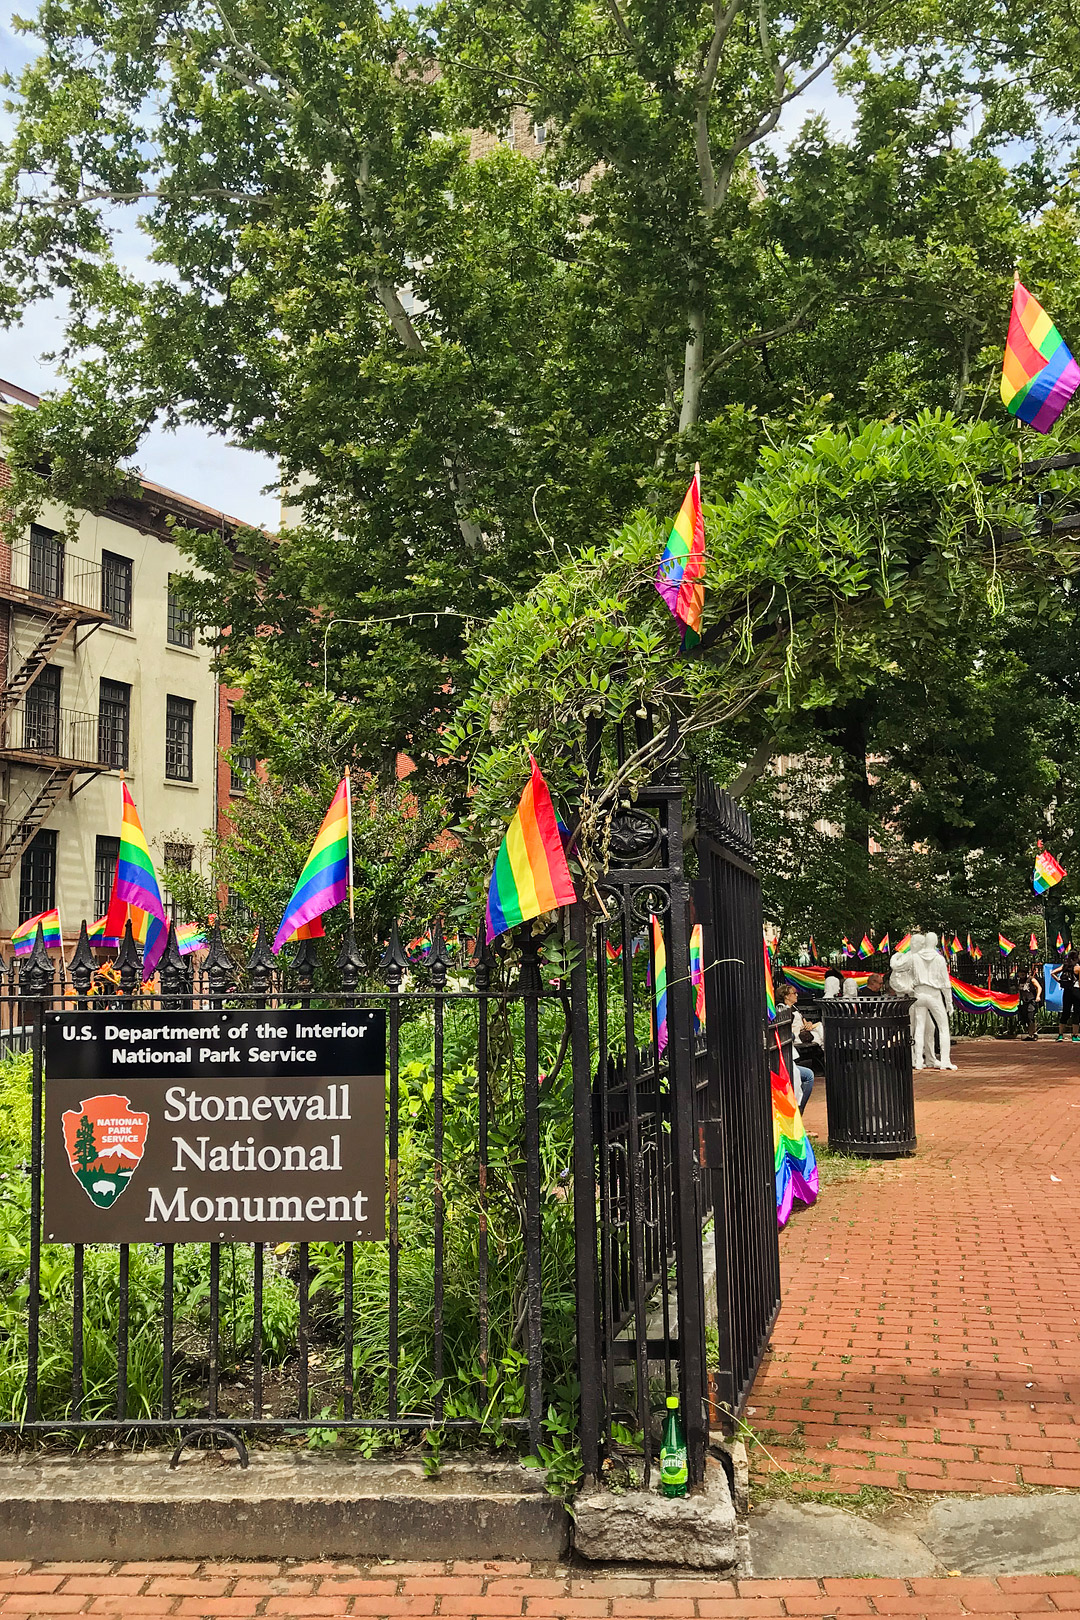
(1068,976)
(1031,995)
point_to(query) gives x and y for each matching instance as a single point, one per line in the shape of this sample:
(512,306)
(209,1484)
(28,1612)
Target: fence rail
(57,574)
(37,727)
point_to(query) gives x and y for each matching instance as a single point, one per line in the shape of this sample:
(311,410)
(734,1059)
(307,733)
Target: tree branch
(86,197)
(760,339)
(723,21)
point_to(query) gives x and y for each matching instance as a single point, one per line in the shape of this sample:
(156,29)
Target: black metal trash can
(869,1087)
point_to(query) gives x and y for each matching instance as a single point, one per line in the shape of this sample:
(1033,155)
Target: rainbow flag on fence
(1033,942)
(136,881)
(813,978)
(189,938)
(793,1157)
(977,998)
(847,947)
(883,947)
(1039,375)
(1060,943)
(530,875)
(697,976)
(1006,945)
(324,881)
(660,964)
(770,990)
(23,937)
(680,578)
(1048,871)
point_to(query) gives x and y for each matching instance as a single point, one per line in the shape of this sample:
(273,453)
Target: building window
(241,765)
(114,724)
(116,589)
(540,134)
(41,725)
(37,875)
(179,728)
(181,630)
(239,908)
(106,855)
(46,562)
(178,858)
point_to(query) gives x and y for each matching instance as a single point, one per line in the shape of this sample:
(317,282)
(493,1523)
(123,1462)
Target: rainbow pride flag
(660,964)
(614,952)
(189,937)
(315,930)
(793,1157)
(770,990)
(883,947)
(866,946)
(979,998)
(976,953)
(847,946)
(902,945)
(1033,943)
(1039,375)
(1006,945)
(680,578)
(136,881)
(813,948)
(324,880)
(813,978)
(23,937)
(1060,943)
(697,976)
(1048,871)
(530,875)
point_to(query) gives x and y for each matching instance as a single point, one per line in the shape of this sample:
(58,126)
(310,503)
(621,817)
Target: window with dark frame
(179,732)
(37,875)
(114,724)
(116,589)
(41,713)
(181,629)
(106,855)
(46,562)
(178,858)
(241,765)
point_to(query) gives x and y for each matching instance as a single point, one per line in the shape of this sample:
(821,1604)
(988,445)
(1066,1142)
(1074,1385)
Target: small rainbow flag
(770,992)
(976,998)
(866,946)
(660,964)
(848,947)
(1048,871)
(680,578)
(1006,945)
(1060,943)
(813,948)
(883,947)
(23,937)
(98,934)
(957,944)
(970,947)
(902,945)
(189,938)
(1039,375)
(613,951)
(794,1162)
(976,953)
(697,976)
(1033,943)
(324,880)
(530,875)
(136,881)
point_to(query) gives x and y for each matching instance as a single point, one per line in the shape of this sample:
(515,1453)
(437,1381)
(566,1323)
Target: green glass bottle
(673,1472)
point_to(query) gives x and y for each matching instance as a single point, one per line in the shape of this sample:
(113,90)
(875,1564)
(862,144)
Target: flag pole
(348,812)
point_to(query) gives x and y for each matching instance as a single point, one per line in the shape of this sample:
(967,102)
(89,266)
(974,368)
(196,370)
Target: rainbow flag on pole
(1039,376)
(530,875)
(324,880)
(697,976)
(1006,945)
(902,945)
(1060,943)
(136,881)
(866,946)
(660,964)
(1047,872)
(770,991)
(23,937)
(883,946)
(680,578)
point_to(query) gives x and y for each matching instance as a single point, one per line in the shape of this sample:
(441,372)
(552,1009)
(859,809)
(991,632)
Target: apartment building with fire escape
(104,678)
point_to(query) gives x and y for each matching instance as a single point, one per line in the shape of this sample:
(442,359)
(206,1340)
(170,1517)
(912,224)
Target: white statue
(901,969)
(933,998)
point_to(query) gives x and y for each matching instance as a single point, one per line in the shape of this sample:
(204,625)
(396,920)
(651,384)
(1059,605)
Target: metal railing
(67,579)
(53,732)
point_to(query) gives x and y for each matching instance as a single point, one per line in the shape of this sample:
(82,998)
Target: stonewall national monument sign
(249,1126)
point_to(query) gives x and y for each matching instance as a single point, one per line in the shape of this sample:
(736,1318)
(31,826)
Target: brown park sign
(193,1127)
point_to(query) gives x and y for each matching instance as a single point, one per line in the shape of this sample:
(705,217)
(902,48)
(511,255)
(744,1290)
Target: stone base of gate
(643,1527)
(300,1506)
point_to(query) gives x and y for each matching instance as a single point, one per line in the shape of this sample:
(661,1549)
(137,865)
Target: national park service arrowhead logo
(105,1141)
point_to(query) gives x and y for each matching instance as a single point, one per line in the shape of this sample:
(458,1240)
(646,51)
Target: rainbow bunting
(189,937)
(976,998)
(1039,375)
(866,946)
(1048,871)
(884,946)
(697,976)
(324,880)
(1006,945)
(813,978)
(680,578)
(795,1165)
(23,937)
(660,964)
(902,945)
(530,875)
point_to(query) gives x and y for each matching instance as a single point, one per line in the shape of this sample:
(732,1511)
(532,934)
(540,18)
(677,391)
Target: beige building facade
(105,680)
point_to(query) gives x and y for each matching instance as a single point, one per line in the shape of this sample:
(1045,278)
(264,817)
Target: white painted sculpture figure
(933,999)
(902,975)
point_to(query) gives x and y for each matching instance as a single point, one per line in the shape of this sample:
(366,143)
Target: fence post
(585,1266)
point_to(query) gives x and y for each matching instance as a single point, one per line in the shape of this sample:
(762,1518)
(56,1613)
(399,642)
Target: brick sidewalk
(494,1589)
(928,1337)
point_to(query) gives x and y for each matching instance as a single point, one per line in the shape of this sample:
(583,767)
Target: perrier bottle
(673,1472)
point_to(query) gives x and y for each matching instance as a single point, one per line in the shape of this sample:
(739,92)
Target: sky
(192,460)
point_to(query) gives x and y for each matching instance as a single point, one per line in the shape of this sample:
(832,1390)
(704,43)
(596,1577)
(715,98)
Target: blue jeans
(806,1085)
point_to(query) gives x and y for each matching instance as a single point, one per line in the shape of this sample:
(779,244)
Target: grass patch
(835,1167)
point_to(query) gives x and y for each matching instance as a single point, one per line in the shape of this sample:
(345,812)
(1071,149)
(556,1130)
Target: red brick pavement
(929,1336)
(496,1589)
